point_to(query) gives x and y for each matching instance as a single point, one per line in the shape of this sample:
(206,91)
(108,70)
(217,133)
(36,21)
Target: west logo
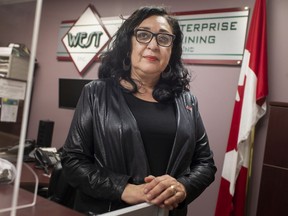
(85,39)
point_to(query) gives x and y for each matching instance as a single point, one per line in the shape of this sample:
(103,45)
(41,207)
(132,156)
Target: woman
(137,135)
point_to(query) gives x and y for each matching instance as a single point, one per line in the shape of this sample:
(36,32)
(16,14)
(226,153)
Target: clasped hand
(163,191)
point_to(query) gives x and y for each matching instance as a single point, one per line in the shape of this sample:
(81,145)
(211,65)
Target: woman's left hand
(164,191)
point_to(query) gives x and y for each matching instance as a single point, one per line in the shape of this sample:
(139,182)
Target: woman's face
(150,59)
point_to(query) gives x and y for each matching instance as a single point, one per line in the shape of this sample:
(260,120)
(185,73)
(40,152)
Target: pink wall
(215,86)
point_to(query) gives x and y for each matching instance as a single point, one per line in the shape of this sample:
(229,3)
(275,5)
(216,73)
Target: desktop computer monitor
(70,91)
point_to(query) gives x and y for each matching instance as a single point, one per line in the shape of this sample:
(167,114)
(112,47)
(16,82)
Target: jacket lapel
(182,137)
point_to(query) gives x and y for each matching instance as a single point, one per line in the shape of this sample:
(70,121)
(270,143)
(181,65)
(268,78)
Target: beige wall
(215,86)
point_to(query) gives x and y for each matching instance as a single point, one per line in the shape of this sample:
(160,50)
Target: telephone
(46,157)
(29,145)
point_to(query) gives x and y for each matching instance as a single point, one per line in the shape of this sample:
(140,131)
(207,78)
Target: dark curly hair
(171,83)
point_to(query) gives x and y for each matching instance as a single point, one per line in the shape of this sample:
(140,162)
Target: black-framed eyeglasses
(162,39)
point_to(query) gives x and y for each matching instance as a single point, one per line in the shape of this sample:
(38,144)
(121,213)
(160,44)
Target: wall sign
(210,37)
(215,36)
(85,39)
(111,25)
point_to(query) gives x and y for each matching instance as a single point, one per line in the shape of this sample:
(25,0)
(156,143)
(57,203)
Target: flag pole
(251,151)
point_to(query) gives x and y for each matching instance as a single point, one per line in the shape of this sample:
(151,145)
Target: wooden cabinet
(273,195)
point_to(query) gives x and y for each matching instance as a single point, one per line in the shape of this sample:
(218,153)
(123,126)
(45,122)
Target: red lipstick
(151,58)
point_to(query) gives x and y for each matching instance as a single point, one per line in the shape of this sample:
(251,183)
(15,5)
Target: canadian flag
(250,106)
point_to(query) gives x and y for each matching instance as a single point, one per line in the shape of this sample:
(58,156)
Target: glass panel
(19,37)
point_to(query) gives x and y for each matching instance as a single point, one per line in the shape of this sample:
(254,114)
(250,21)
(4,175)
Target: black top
(157,125)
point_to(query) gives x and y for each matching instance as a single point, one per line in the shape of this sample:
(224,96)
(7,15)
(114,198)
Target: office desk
(27,177)
(42,207)
(45,207)
(27,180)
(27,184)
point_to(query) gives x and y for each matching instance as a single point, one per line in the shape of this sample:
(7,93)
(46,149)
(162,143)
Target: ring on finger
(173,189)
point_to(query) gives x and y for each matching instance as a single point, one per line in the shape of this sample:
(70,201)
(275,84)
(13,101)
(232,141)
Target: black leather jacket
(104,150)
